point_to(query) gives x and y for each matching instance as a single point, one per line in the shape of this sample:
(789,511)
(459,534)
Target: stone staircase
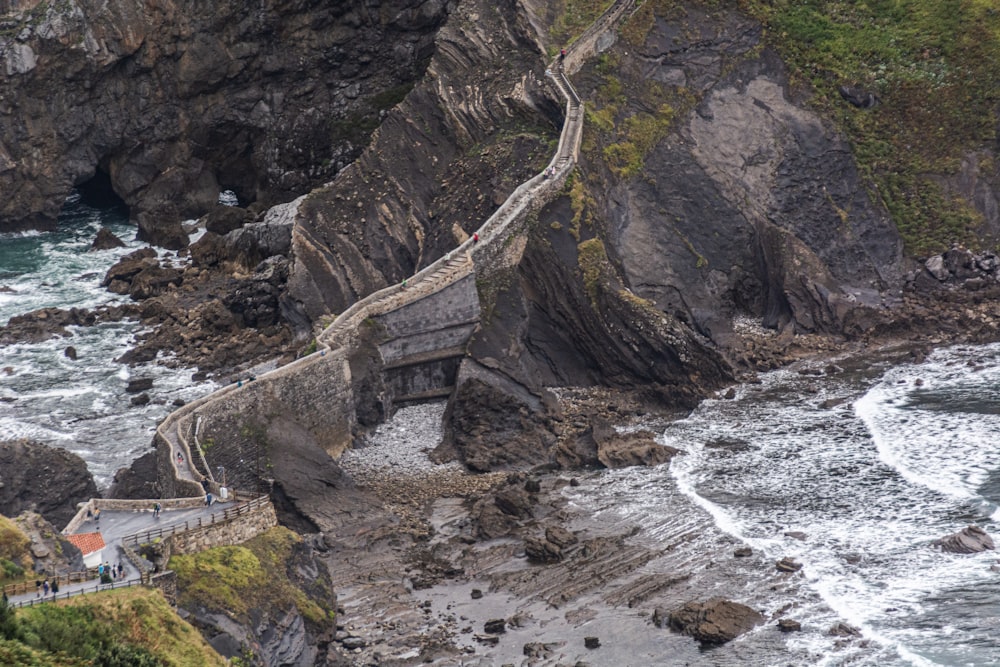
(178,430)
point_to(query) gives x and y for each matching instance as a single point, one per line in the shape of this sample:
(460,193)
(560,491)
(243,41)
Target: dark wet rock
(138,385)
(591,642)
(730,394)
(560,537)
(540,650)
(622,450)
(223,219)
(831,403)
(153,281)
(514,502)
(140,400)
(43,479)
(70,352)
(542,551)
(476,594)
(207,251)
(715,621)
(858,97)
(661,617)
(351,643)
(532,485)
(796,535)
(742,552)
(495,626)
(841,629)
(969,540)
(788,565)
(788,625)
(140,480)
(105,240)
(128,266)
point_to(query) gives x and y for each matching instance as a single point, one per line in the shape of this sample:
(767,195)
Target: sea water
(872,465)
(81,404)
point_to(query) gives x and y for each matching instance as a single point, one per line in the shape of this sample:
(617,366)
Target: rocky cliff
(166,104)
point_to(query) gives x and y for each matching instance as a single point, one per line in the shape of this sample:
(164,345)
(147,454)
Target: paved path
(113,526)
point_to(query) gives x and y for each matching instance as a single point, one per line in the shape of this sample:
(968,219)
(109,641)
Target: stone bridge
(403,343)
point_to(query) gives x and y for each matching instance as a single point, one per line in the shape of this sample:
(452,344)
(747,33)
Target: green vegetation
(933,65)
(574,17)
(134,627)
(14,556)
(593,259)
(625,127)
(251,575)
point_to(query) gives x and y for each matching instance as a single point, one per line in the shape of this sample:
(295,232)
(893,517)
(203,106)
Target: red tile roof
(87,542)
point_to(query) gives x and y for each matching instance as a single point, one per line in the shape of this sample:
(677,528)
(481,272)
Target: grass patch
(252,575)
(14,554)
(934,66)
(134,626)
(573,18)
(593,259)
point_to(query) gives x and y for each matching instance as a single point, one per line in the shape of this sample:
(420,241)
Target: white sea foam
(870,502)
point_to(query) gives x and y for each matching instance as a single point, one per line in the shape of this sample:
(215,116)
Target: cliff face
(173,102)
(478,124)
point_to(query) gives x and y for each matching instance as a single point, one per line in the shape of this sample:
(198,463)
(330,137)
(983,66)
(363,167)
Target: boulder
(788,625)
(105,240)
(542,551)
(495,626)
(969,540)
(715,621)
(70,352)
(742,552)
(223,219)
(47,480)
(591,642)
(128,266)
(622,450)
(139,385)
(841,629)
(514,501)
(560,537)
(154,281)
(788,565)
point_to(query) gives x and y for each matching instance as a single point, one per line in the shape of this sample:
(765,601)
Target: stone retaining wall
(227,533)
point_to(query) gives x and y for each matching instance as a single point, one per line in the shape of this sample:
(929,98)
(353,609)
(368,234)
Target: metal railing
(96,588)
(145,537)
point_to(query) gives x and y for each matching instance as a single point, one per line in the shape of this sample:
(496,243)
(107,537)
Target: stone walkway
(113,526)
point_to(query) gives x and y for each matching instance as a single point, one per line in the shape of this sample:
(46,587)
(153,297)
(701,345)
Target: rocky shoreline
(530,569)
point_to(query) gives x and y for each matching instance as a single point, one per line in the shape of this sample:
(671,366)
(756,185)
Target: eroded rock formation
(171,103)
(48,480)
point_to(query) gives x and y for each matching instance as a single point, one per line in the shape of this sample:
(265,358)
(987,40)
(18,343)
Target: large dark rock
(969,540)
(38,478)
(128,266)
(622,450)
(716,621)
(106,240)
(153,281)
(223,219)
(268,106)
(139,481)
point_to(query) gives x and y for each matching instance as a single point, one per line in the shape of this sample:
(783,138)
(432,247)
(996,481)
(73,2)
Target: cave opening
(98,192)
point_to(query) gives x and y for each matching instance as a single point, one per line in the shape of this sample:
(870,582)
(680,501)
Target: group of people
(43,588)
(107,572)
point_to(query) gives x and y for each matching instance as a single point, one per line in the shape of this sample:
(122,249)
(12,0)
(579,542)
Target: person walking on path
(55,588)
(475,237)
(156,510)
(97,516)
(45,588)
